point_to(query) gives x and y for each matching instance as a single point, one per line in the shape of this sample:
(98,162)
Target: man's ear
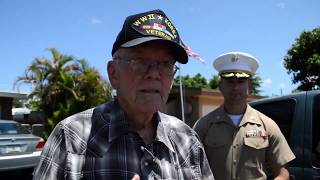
(113,74)
(220,84)
(250,86)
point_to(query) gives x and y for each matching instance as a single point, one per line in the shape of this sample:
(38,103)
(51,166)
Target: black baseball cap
(150,26)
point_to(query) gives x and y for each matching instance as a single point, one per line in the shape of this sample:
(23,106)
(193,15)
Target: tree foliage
(214,82)
(303,60)
(255,85)
(198,81)
(18,103)
(63,86)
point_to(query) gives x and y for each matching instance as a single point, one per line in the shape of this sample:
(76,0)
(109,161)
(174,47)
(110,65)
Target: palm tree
(63,86)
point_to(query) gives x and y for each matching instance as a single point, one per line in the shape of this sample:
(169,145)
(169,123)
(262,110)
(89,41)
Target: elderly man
(240,142)
(129,138)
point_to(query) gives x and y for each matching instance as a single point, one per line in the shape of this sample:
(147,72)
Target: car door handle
(291,177)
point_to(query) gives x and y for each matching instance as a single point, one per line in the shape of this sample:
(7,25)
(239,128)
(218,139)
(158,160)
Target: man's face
(234,90)
(139,75)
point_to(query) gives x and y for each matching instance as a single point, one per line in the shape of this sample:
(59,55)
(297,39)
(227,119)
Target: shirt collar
(119,126)
(118,122)
(222,116)
(109,122)
(248,117)
(163,132)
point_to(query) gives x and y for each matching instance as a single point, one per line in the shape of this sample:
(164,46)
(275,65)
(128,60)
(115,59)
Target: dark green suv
(298,116)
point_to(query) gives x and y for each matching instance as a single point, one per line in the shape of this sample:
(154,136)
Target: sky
(87,29)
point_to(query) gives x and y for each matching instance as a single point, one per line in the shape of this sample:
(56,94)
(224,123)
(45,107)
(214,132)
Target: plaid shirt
(98,144)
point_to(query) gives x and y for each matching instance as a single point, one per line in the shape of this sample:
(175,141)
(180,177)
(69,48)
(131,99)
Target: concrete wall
(195,107)
(208,104)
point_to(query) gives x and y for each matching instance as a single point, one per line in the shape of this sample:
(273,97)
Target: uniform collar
(250,116)
(222,116)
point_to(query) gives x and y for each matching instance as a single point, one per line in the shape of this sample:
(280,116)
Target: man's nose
(235,86)
(153,70)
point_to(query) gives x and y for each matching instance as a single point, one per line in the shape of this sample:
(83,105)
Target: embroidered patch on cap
(156,25)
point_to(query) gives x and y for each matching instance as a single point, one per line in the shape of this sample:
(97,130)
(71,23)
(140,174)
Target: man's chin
(150,107)
(235,99)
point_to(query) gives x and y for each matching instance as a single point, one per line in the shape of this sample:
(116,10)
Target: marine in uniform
(240,142)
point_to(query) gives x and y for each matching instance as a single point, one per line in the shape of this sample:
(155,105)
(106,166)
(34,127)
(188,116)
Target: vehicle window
(12,128)
(315,132)
(281,112)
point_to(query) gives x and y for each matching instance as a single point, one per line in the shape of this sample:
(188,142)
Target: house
(6,100)
(197,102)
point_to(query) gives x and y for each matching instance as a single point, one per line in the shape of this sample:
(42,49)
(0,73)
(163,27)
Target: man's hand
(136,177)
(281,174)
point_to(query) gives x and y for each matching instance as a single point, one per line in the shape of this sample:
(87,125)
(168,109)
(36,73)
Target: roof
(15,95)
(24,110)
(7,121)
(190,91)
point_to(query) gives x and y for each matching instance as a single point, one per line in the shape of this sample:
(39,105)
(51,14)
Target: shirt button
(234,161)
(234,146)
(146,163)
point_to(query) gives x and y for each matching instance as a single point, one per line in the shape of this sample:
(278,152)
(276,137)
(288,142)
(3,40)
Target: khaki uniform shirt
(242,152)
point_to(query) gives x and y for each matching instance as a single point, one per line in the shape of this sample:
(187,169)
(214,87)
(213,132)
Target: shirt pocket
(217,136)
(254,158)
(256,142)
(214,142)
(168,170)
(74,166)
(192,172)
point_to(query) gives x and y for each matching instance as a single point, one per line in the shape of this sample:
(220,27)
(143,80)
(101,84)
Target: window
(315,131)
(12,128)
(281,112)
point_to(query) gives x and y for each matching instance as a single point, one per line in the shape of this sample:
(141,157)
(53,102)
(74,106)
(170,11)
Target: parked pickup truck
(298,116)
